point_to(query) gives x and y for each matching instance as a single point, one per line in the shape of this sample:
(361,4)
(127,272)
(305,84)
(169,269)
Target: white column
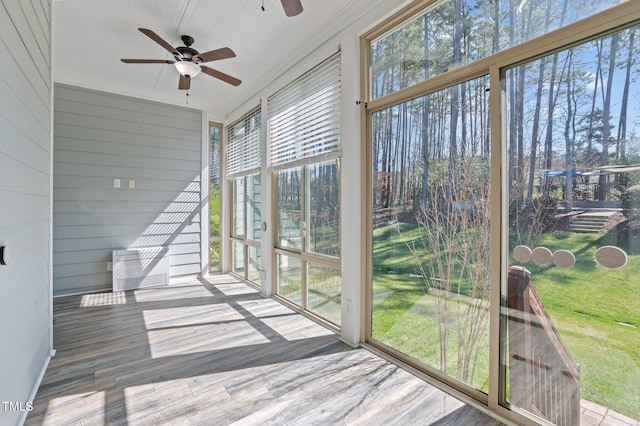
(269,215)
(352,224)
(204,196)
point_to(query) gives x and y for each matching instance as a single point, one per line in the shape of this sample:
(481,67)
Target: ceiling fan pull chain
(187,97)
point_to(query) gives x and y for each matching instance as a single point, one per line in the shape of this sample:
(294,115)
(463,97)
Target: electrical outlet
(109,266)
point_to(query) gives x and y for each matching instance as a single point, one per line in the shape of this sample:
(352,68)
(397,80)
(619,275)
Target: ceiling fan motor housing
(186,54)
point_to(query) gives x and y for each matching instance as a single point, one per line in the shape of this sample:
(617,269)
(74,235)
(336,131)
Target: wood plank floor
(214,352)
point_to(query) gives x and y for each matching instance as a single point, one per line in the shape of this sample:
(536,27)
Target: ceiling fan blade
(292,7)
(184,83)
(220,75)
(155,37)
(214,55)
(146,61)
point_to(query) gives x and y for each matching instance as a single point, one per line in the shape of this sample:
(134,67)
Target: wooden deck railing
(544,378)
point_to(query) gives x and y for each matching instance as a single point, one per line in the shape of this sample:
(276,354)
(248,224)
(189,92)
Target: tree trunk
(622,125)
(606,125)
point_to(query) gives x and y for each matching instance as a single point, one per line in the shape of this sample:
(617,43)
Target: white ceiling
(91,36)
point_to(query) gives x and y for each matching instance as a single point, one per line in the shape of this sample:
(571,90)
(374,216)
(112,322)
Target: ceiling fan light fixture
(187,68)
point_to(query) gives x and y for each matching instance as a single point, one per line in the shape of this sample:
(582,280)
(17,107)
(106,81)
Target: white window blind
(243,144)
(304,116)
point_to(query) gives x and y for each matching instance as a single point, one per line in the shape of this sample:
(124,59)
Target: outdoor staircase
(589,222)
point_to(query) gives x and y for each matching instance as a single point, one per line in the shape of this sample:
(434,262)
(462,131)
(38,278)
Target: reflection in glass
(237,229)
(214,198)
(323,212)
(254,218)
(214,256)
(237,258)
(255,265)
(324,287)
(457,32)
(290,278)
(571,328)
(289,208)
(431,228)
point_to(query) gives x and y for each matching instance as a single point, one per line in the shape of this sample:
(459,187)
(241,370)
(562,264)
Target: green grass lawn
(596,311)
(406,309)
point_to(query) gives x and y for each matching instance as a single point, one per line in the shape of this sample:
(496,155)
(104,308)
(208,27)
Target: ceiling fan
(188,61)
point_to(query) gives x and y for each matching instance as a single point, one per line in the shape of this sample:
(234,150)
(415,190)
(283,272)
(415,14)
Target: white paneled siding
(157,148)
(25,200)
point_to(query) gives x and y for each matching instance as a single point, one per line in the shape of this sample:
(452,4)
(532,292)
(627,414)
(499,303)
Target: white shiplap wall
(25,200)
(99,137)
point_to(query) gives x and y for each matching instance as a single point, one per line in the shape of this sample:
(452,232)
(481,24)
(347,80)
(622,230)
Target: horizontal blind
(304,117)
(243,144)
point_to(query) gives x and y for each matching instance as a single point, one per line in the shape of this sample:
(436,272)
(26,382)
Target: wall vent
(140,268)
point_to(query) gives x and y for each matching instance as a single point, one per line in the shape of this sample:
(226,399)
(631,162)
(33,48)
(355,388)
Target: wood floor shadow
(216,352)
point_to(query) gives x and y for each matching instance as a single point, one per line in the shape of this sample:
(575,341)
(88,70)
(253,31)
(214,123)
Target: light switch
(132,183)
(116,183)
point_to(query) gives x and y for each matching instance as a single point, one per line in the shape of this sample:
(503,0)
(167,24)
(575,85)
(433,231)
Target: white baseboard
(34,391)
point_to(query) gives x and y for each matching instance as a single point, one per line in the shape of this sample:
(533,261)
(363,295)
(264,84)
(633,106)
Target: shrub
(632,206)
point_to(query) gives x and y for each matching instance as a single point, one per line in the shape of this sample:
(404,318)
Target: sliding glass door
(503,200)
(431,231)
(571,307)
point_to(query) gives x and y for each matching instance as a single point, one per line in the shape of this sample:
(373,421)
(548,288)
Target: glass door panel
(290,278)
(237,259)
(254,210)
(430,258)
(571,310)
(323,212)
(290,209)
(324,292)
(255,265)
(308,229)
(239,208)
(246,227)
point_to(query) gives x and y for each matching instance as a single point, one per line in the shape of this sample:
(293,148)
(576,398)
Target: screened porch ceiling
(91,36)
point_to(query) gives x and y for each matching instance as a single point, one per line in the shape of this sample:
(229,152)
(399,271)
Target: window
(243,145)
(243,166)
(419,49)
(215,139)
(503,173)
(304,126)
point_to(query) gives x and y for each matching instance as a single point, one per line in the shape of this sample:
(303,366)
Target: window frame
(302,254)
(610,20)
(245,172)
(216,238)
(303,162)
